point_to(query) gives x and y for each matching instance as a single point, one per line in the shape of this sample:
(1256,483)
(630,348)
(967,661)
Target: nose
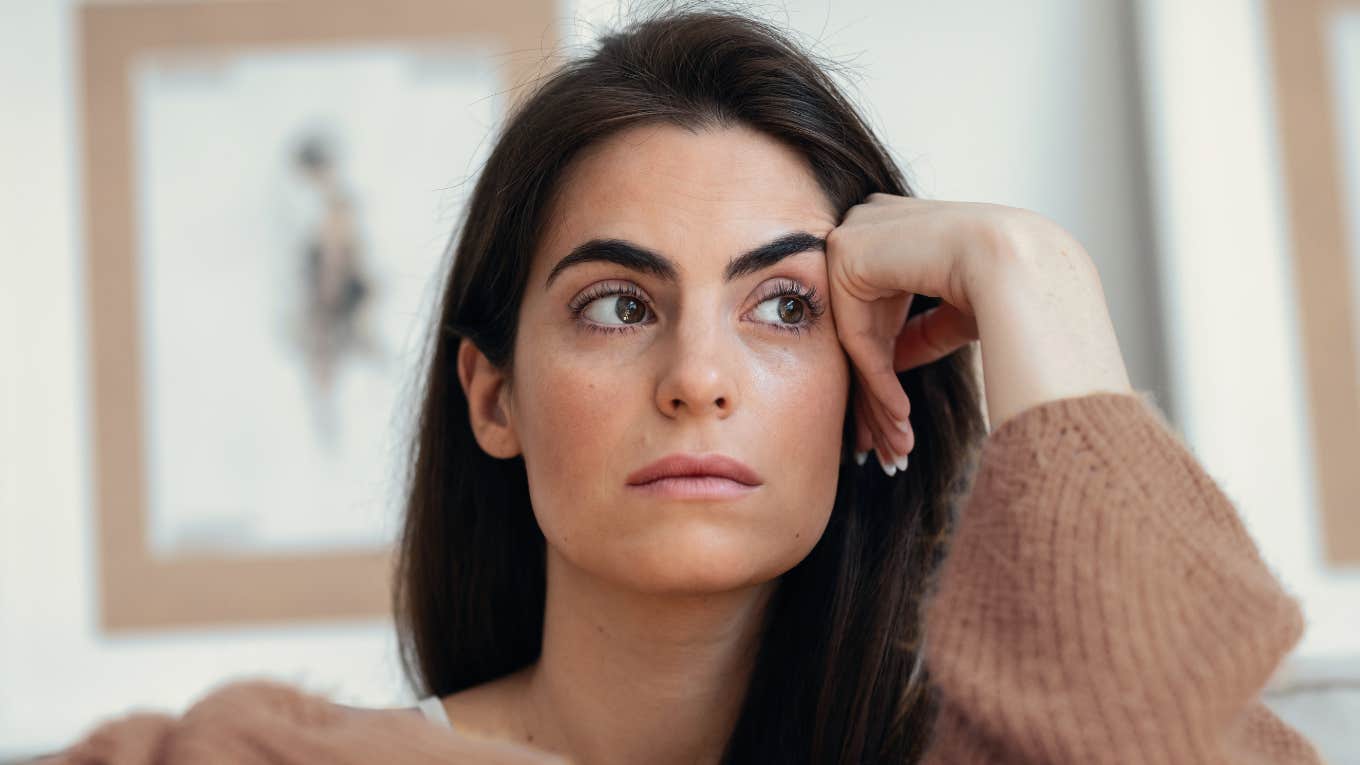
(701,374)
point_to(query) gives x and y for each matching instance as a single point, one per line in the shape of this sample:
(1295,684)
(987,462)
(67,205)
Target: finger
(884,250)
(901,438)
(932,335)
(867,419)
(880,380)
(893,425)
(129,740)
(897,441)
(878,206)
(888,443)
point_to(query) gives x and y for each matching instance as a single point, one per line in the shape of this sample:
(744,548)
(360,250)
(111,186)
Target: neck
(629,677)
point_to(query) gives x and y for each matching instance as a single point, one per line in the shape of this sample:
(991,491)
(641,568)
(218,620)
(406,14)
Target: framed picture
(269,189)
(1316,47)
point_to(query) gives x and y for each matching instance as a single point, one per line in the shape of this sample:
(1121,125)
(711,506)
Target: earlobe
(486,389)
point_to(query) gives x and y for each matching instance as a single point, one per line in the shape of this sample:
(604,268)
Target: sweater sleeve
(1101,601)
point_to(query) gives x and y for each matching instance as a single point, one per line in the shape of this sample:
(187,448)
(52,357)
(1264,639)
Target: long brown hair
(837,676)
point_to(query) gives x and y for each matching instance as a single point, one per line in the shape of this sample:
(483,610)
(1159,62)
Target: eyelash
(781,288)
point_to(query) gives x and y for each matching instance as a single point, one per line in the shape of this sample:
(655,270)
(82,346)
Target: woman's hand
(266,723)
(1008,277)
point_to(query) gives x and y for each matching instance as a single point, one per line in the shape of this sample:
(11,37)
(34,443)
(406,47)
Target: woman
(688,242)
(691,294)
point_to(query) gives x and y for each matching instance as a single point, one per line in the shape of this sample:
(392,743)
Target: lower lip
(695,487)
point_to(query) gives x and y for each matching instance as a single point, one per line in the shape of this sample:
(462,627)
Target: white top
(433,709)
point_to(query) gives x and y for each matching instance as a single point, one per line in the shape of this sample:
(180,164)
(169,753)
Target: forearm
(1041,313)
(1102,601)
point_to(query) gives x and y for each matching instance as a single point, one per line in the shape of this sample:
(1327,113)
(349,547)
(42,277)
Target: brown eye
(789,307)
(609,310)
(628,309)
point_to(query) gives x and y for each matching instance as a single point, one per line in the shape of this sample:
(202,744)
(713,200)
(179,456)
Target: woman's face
(685,360)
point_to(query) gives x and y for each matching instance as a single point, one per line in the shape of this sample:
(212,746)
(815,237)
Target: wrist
(1020,250)
(1042,319)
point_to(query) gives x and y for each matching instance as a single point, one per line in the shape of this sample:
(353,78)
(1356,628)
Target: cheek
(566,412)
(803,399)
(572,415)
(803,406)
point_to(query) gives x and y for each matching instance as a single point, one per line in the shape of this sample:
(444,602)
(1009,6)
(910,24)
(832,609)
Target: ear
(487,390)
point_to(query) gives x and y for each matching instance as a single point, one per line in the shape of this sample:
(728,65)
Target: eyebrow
(643,260)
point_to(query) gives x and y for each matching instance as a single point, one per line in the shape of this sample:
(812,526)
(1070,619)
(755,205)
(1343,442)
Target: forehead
(706,194)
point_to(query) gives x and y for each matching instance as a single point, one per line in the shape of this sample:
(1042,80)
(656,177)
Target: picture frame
(138,589)
(1311,140)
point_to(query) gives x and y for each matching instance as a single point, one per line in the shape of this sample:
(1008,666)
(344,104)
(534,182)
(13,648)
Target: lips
(696,466)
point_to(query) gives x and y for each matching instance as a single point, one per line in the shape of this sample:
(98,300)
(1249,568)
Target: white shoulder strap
(433,709)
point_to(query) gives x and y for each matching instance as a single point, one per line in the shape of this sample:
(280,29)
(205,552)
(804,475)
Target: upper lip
(687,465)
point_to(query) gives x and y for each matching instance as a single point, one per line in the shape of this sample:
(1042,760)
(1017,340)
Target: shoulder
(489,709)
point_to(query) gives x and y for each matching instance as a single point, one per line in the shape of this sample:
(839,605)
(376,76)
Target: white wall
(1236,358)
(1033,104)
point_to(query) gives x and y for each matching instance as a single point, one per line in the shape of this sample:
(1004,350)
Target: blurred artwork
(336,292)
(293,207)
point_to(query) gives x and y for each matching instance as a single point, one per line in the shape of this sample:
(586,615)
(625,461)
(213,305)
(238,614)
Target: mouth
(696,476)
(694,487)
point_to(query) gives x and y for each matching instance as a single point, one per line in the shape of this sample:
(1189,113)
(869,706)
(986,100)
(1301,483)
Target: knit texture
(1101,601)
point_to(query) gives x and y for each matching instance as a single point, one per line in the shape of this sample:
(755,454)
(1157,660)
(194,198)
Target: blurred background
(224,224)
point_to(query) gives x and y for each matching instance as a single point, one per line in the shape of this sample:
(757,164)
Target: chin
(705,560)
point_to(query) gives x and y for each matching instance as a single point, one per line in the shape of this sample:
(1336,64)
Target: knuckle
(835,238)
(832,240)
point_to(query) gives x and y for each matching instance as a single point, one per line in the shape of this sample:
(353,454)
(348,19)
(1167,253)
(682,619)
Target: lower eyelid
(617,329)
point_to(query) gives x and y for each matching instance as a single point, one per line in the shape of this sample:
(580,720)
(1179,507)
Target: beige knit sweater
(1102,602)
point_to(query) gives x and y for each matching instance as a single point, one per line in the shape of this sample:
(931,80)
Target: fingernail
(888,468)
(860,457)
(903,425)
(902,463)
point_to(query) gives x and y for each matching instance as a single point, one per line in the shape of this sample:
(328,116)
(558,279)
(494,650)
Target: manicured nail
(904,426)
(860,457)
(888,468)
(902,463)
